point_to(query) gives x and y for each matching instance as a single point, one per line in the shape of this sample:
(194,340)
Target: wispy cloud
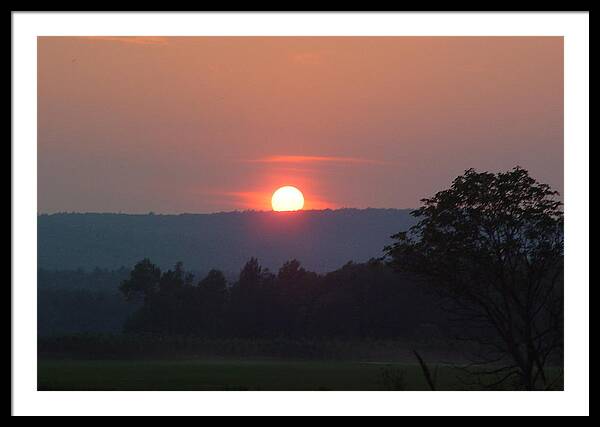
(132,39)
(312,159)
(308,58)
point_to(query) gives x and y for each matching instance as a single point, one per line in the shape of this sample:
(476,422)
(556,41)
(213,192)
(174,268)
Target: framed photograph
(283,213)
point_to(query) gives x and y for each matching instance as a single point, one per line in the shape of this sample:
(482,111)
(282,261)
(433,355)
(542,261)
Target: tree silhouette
(253,302)
(210,303)
(295,293)
(357,301)
(143,281)
(492,244)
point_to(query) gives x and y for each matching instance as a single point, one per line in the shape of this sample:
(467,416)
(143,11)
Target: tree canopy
(492,245)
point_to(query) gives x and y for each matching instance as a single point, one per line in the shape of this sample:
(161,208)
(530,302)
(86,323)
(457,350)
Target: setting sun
(287,198)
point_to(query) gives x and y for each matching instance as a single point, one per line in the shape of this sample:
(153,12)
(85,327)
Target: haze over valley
(322,240)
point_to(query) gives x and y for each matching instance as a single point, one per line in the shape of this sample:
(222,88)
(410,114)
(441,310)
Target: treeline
(356,301)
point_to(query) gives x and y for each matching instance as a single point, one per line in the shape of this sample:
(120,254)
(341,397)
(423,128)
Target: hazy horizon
(233,211)
(322,239)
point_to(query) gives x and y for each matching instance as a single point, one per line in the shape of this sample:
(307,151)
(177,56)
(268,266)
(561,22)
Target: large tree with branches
(492,245)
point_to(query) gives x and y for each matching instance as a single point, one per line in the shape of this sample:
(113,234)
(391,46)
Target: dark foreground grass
(235,375)
(263,375)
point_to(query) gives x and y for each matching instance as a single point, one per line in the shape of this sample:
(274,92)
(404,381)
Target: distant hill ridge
(322,240)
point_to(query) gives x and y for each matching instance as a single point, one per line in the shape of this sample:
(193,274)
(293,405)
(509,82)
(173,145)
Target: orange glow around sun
(287,198)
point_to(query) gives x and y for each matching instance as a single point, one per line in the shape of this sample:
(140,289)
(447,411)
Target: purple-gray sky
(205,124)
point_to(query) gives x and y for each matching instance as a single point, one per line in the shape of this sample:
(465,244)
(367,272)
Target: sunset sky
(207,124)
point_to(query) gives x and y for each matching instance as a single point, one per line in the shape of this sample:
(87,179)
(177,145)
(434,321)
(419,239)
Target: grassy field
(235,375)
